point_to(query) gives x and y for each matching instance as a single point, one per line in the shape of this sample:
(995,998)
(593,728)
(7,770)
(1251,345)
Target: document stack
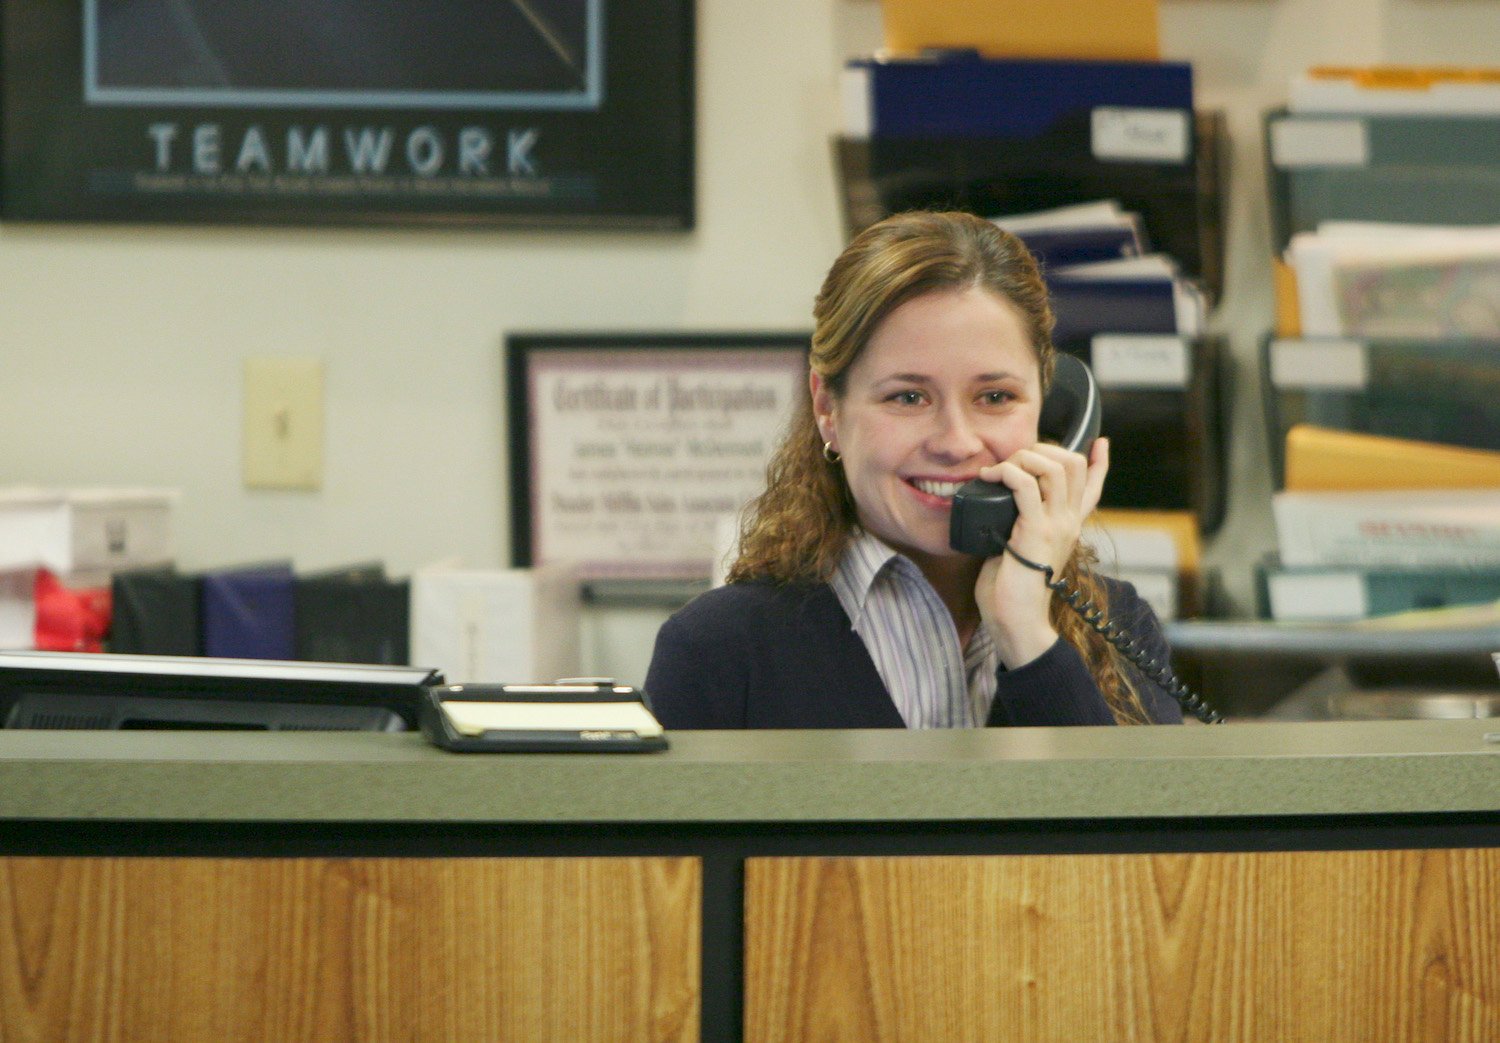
(493,625)
(1382,381)
(58,550)
(1158,552)
(1370,525)
(1360,156)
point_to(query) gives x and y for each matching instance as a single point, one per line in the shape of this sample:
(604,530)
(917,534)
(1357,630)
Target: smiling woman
(846,607)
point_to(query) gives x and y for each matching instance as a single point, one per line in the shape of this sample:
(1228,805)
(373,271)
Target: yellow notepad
(471,718)
(1325,459)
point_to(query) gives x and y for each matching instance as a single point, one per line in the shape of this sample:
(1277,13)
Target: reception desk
(1252,881)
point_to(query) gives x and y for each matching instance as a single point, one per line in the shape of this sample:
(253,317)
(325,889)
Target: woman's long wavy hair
(798,528)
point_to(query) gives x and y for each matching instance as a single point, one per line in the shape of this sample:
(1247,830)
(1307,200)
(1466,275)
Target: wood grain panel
(1350,945)
(356,949)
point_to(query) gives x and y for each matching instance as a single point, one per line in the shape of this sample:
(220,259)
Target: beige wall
(121,348)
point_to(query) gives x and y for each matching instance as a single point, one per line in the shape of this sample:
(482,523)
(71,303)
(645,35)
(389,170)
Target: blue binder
(353,615)
(249,612)
(961,94)
(1057,247)
(1124,305)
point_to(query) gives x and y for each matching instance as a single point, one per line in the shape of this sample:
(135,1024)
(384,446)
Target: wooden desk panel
(1331,945)
(373,948)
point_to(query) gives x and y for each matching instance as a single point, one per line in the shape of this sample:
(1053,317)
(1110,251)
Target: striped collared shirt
(911,636)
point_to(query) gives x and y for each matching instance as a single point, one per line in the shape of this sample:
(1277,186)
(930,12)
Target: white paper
(474,718)
(854,100)
(1131,547)
(1099,213)
(1453,528)
(1310,93)
(496,625)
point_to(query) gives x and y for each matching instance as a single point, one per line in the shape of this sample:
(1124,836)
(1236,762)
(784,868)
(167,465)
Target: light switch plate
(283,423)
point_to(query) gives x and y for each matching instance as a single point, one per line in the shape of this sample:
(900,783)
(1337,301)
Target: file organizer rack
(1443,392)
(1403,168)
(1181,204)
(1447,392)
(1167,436)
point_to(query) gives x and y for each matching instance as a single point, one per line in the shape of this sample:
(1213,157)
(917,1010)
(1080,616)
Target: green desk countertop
(809,776)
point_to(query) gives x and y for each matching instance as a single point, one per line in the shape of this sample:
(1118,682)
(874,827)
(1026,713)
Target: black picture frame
(777,358)
(535,113)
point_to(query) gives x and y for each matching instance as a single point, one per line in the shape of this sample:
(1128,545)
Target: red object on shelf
(68,619)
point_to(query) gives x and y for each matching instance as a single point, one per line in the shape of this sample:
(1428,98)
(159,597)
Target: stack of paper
(1096,260)
(496,624)
(1369,525)
(1397,90)
(1145,294)
(1396,144)
(1159,552)
(1320,459)
(1439,392)
(963,129)
(1369,279)
(1099,230)
(1137,321)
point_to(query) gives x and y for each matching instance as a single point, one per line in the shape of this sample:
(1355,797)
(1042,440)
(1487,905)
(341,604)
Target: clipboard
(571,715)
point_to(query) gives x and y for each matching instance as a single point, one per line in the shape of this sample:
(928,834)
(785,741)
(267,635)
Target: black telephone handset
(985,512)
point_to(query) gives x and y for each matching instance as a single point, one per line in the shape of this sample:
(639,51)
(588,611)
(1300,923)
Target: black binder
(1167,439)
(354,614)
(1181,204)
(155,612)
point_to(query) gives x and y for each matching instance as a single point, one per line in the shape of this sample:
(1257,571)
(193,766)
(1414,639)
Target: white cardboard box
(17,608)
(72,531)
(496,625)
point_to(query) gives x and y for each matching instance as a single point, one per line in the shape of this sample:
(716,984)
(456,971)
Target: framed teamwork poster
(529,112)
(628,452)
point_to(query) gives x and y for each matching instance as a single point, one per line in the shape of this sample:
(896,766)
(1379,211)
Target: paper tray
(440,731)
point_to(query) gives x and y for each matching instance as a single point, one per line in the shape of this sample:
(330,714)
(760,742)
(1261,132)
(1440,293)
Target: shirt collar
(861,564)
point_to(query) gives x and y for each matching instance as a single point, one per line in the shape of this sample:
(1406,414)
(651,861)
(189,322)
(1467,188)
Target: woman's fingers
(1098,468)
(1053,476)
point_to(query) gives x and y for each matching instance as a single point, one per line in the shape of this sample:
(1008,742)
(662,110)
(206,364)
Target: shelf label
(1318,595)
(1121,360)
(1140,135)
(1319,143)
(1338,364)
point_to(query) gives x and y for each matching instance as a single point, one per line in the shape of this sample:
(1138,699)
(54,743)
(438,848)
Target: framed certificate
(629,453)
(530,112)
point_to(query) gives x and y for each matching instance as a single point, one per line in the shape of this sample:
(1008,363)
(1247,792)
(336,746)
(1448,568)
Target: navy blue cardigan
(761,655)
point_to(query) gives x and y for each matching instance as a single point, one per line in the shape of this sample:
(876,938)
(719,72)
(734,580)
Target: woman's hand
(1055,491)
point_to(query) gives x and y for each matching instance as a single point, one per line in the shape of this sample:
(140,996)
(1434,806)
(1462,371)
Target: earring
(831,454)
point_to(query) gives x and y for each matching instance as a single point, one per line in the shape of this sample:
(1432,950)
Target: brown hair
(799,527)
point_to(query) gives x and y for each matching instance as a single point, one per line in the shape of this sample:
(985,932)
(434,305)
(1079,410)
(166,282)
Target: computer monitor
(67,690)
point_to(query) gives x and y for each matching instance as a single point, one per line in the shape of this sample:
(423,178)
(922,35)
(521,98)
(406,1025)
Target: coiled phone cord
(1159,672)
